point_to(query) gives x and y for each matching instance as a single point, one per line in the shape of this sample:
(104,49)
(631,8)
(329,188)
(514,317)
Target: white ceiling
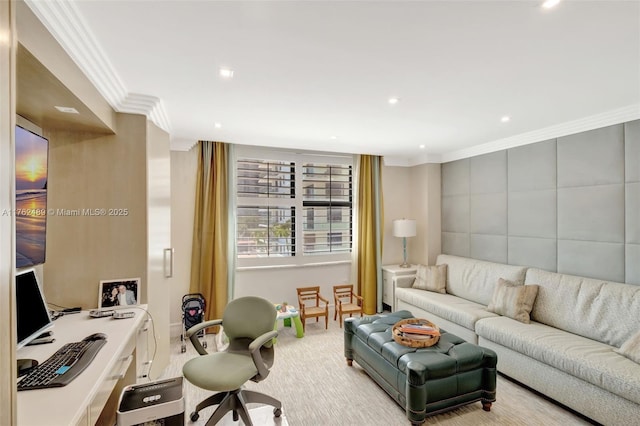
(306,71)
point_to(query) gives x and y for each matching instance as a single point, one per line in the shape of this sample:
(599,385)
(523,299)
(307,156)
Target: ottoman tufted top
(449,356)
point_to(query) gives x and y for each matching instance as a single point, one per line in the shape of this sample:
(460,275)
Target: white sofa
(567,352)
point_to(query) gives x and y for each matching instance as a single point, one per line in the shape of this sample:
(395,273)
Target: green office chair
(248,323)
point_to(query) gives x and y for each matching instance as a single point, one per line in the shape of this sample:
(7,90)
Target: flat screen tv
(32,153)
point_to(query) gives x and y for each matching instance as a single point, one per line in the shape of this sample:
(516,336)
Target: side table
(389,275)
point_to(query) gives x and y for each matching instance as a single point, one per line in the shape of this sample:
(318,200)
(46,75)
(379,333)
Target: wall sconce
(404,228)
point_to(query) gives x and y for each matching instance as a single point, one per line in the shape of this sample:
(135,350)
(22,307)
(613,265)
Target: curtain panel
(370,233)
(209,266)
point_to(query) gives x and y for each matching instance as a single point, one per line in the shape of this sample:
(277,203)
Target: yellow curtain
(210,233)
(370,233)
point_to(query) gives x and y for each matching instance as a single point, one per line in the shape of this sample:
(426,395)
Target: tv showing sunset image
(31,197)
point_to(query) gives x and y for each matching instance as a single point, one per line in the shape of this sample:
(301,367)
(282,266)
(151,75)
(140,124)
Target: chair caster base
(277,412)
(194,416)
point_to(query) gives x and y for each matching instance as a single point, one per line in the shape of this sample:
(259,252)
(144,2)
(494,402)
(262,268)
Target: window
(328,193)
(272,214)
(266,212)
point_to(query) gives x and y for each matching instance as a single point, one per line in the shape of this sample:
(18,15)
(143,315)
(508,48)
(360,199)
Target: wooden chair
(347,302)
(309,299)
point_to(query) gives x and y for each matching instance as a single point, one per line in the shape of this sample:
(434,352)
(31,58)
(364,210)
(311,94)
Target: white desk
(81,401)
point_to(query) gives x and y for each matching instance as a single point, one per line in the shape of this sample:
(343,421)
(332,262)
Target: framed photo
(118,293)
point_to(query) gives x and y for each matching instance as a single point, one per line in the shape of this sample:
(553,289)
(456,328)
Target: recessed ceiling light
(226,73)
(548,4)
(422,146)
(394,100)
(68,110)
(505,119)
(217,125)
(333,137)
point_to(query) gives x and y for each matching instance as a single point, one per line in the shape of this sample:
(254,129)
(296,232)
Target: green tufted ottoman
(424,381)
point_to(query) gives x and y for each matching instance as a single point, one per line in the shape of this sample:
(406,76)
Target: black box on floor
(154,403)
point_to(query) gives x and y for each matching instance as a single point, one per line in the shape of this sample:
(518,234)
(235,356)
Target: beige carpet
(316,387)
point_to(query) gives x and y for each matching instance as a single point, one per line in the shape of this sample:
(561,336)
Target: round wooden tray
(414,343)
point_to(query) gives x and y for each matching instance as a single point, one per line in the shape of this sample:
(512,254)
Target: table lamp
(404,228)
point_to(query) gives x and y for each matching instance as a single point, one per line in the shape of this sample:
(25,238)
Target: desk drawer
(117,372)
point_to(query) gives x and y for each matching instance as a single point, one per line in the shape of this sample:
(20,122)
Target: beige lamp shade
(404,228)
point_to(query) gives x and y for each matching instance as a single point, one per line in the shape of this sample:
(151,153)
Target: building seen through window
(271,212)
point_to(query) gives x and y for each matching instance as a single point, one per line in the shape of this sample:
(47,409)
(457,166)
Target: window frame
(299,158)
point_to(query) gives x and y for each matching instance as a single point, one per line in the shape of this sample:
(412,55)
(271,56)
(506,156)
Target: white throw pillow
(631,348)
(431,278)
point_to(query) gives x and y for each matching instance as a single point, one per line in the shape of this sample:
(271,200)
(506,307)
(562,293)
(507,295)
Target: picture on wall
(31,197)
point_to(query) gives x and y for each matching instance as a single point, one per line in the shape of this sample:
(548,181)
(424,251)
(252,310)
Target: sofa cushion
(451,308)
(631,348)
(591,361)
(513,301)
(602,311)
(431,278)
(475,280)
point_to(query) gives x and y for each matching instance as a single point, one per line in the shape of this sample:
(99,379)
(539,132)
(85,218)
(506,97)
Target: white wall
(279,284)
(409,192)
(184,166)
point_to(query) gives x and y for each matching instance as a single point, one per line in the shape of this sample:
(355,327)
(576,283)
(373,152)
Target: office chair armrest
(254,348)
(192,334)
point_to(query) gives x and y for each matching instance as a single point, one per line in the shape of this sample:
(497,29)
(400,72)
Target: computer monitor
(32,313)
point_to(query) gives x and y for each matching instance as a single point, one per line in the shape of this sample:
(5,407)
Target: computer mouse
(95,336)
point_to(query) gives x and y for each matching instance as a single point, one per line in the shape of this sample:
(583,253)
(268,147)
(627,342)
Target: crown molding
(65,22)
(150,106)
(608,118)
(182,144)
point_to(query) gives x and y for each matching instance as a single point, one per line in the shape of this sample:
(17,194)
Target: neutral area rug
(316,387)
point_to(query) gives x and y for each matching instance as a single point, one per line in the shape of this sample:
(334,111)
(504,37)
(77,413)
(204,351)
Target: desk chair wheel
(194,416)
(277,412)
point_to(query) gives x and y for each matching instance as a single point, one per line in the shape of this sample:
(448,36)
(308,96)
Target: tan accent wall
(95,173)
(412,193)
(40,43)
(7,229)
(425,204)
(396,190)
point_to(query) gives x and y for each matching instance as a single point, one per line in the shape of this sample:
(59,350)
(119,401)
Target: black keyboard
(63,366)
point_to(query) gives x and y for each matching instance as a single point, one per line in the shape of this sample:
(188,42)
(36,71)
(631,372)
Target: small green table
(291,314)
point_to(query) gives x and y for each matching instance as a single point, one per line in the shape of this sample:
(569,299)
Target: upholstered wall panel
(592,259)
(632,275)
(632,201)
(533,214)
(591,213)
(632,151)
(455,178)
(532,167)
(488,173)
(569,205)
(488,214)
(456,243)
(455,213)
(632,206)
(535,252)
(591,158)
(489,247)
